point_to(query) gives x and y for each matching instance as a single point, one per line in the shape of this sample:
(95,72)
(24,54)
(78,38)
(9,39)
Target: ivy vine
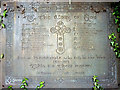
(2,25)
(96,85)
(1,18)
(24,85)
(112,37)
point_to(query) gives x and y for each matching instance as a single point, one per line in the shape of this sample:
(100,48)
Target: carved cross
(60,29)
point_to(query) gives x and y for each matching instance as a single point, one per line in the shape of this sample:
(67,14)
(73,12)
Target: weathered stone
(61,44)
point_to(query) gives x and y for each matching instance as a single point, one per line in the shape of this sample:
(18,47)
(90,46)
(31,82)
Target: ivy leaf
(118,16)
(115,49)
(94,88)
(94,78)
(110,36)
(23,81)
(117,12)
(42,82)
(25,88)
(97,80)
(101,88)
(22,86)
(4,13)
(26,79)
(118,24)
(112,43)
(116,44)
(36,89)
(2,56)
(113,34)
(113,38)
(25,84)
(9,86)
(118,30)
(3,25)
(0,20)
(113,13)
(116,21)
(98,86)
(118,55)
(95,83)
(41,86)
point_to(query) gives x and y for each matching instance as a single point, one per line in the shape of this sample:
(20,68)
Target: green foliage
(3,25)
(1,56)
(97,80)
(94,78)
(5,13)
(96,85)
(115,48)
(26,79)
(112,43)
(118,29)
(1,18)
(10,87)
(116,7)
(22,86)
(42,82)
(118,55)
(41,85)
(116,21)
(112,37)
(24,83)
(109,37)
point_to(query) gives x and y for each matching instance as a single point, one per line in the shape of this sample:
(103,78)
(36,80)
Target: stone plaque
(61,44)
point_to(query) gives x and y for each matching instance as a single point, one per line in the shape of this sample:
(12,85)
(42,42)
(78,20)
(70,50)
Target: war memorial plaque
(61,44)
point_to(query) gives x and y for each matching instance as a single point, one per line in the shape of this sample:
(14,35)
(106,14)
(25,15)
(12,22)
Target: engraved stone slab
(61,44)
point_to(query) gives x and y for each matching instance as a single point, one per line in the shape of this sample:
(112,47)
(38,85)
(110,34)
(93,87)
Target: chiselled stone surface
(63,45)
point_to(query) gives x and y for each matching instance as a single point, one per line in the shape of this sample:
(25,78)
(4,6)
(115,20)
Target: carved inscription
(62,44)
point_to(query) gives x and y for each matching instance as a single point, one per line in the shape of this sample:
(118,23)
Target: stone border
(60,80)
(69,1)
